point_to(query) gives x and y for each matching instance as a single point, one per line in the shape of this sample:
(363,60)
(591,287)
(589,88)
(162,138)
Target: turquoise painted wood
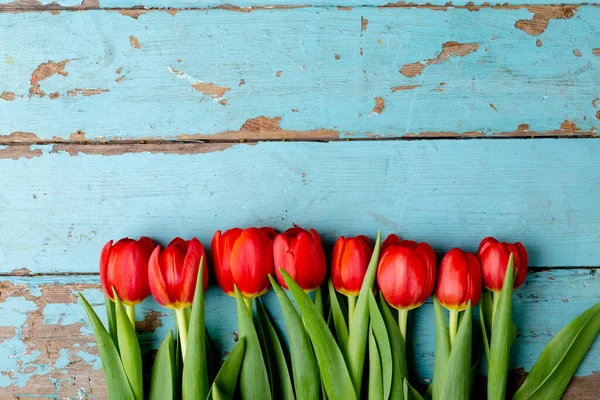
(60,209)
(31,328)
(312,72)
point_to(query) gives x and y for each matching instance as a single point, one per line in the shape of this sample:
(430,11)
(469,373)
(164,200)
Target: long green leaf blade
(194,379)
(305,370)
(410,393)
(359,326)
(330,360)
(375,370)
(383,344)
(442,350)
(341,329)
(226,379)
(485,317)
(254,379)
(457,379)
(398,348)
(162,382)
(281,376)
(559,360)
(117,384)
(502,338)
(129,348)
(112,319)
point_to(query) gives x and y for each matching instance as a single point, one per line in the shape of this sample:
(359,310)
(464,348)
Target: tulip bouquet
(343,340)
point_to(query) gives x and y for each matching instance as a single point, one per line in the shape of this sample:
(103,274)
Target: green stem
(495,301)
(182,327)
(131,314)
(351,307)
(248,305)
(402,322)
(453,325)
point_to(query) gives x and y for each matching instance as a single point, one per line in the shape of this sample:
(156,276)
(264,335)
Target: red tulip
(459,280)
(406,273)
(300,254)
(494,256)
(124,266)
(173,272)
(391,240)
(349,264)
(243,257)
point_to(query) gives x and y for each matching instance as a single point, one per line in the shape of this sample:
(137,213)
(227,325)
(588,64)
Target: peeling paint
(16,152)
(408,87)
(130,148)
(86,92)
(576,53)
(206,88)
(54,95)
(135,43)
(449,49)
(569,126)
(379,106)
(595,102)
(44,71)
(16,137)
(596,52)
(538,43)
(364,23)
(542,16)
(493,107)
(8,96)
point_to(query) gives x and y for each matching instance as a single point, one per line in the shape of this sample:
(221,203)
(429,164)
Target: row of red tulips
(246,257)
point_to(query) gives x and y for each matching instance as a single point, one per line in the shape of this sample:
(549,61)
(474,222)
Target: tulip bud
(459,280)
(391,240)
(406,273)
(349,264)
(300,254)
(494,256)
(124,266)
(173,272)
(244,258)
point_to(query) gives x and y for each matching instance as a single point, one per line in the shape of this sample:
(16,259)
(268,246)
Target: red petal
(158,286)
(104,257)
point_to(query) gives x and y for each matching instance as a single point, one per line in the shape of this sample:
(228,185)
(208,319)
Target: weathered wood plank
(48,350)
(313,73)
(61,205)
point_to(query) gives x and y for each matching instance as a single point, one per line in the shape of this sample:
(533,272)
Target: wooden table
(442,123)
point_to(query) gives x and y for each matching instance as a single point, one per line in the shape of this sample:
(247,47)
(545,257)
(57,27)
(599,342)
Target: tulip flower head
(349,264)
(300,253)
(459,280)
(244,258)
(124,266)
(494,256)
(406,272)
(173,272)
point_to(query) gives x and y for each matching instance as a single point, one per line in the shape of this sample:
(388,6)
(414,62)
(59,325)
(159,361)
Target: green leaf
(330,360)
(117,384)
(383,344)
(112,319)
(559,360)
(194,378)
(319,300)
(254,379)
(281,384)
(485,318)
(398,348)
(162,382)
(375,370)
(341,329)
(456,384)
(442,350)
(359,326)
(305,370)
(129,348)
(410,393)
(503,333)
(224,385)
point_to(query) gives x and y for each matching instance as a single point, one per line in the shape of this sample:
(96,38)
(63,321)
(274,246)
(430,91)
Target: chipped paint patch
(542,16)
(576,53)
(7,96)
(596,52)
(86,92)
(206,88)
(135,43)
(569,126)
(449,49)
(16,152)
(538,43)
(54,95)
(44,71)
(130,148)
(493,107)
(379,106)
(364,23)
(407,87)
(17,137)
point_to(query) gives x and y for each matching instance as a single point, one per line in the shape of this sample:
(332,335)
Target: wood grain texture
(62,203)
(51,353)
(309,73)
